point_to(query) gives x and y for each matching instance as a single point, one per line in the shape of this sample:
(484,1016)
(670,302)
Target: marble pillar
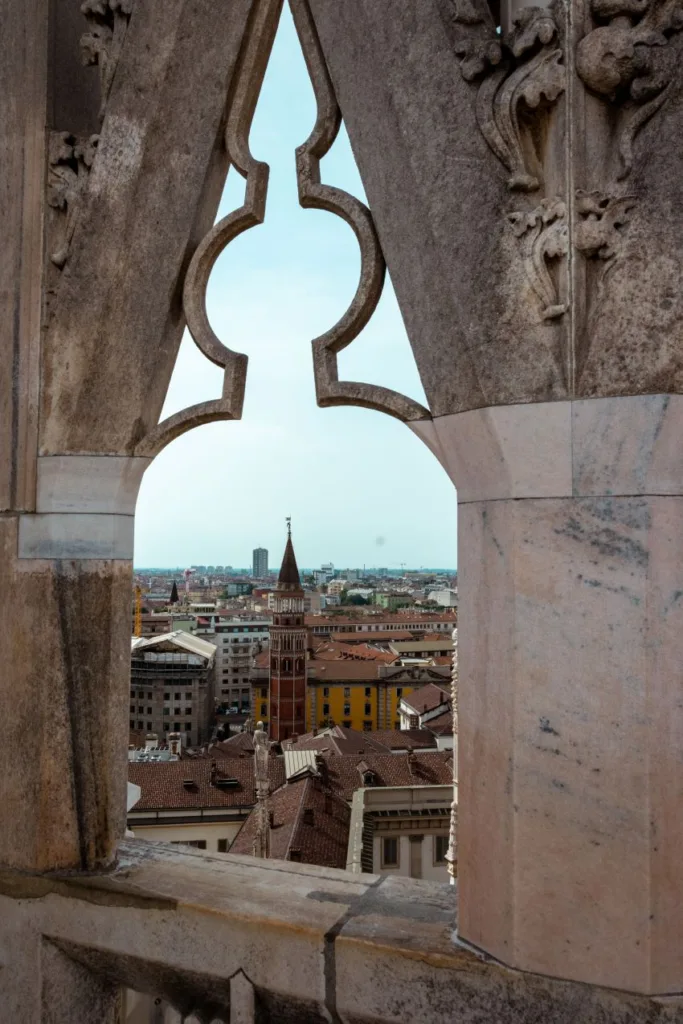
(571,707)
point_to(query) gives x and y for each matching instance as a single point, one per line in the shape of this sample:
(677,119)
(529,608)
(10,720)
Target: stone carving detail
(521,75)
(103,43)
(600,218)
(70,160)
(543,235)
(261,847)
(315,195)
(628,61)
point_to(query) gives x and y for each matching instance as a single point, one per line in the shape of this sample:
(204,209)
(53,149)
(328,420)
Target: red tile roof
(310,824)
(424,768)
(162,783)
(427,698)
(404,739)
(337,740)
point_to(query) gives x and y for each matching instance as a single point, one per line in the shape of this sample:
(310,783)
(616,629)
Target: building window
(167,696)
(347,709)
(367,726)
(199,844)
(132,724)
(188,726)
(149,711)
(399,691)
(177,696)
(264,710)
(149,727)
(347,691)
(222,845)
(346,724)
(440,849)
(141,725)
(367,691)
(132,709)
(326,709)
(368,710)
(397,725)
(149,696)
(188,711)
(176,727)
(188,696)
(167,711)
(264,693)
(287,665)
(326,691)
(390,853)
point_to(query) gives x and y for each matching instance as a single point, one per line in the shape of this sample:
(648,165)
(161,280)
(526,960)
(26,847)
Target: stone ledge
(316,944)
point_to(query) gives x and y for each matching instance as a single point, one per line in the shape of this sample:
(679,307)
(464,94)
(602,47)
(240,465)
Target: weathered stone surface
(117,319)
(243,940)
(65,630)
(540,195)
(570,631)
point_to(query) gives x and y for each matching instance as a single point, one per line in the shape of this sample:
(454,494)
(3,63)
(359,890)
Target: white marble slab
(73,536)
(89,483)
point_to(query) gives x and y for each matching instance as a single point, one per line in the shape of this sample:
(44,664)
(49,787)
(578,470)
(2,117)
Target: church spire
(289,572)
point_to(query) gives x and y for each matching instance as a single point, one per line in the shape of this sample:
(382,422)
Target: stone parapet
(240,940)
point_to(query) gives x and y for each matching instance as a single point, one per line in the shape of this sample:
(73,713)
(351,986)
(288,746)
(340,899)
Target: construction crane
(137,630)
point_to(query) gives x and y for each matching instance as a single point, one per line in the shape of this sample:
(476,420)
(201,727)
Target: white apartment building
(237,640)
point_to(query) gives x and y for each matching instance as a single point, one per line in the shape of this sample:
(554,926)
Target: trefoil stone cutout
(103,43)
(70,160)
(627,60)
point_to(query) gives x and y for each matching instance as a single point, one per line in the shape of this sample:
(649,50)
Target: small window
(326,709)
(440,849)
(399,691)
(367,726)
(132,709)
(368,691)
(141,725)
(188,726)
(397,725)
(188,711)
(347,724)
(188,696)
(132,724)
(264,693)
(167,696)
(347,709)
(326,691)
(149,696)
(390,853)
(177,696)
(149,711)
(222,845)
(167,711)
(368,709)
(149,727)
(347,691)
(264,710)
(176,727)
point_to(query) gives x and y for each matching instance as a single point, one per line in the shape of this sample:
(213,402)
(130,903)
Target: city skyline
(361,488)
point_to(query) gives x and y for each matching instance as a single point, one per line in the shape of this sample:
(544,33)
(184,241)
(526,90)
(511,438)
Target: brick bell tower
(288,651)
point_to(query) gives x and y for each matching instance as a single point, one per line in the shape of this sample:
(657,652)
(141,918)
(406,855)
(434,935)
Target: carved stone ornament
(521,74)
(544,238)
(600,218)
(70,160)
(627,60)
(103,43)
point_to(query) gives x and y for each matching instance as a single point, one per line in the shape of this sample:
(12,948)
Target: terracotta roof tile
(427,698)
(307,819)
(162,783)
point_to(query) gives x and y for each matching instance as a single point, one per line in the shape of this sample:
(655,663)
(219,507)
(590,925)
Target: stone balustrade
(234,939)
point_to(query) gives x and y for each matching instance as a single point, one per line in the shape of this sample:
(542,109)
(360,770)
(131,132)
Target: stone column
(526,191)
(110,178)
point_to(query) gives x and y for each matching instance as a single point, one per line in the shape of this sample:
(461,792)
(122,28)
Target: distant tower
(260,563)
(174,594)
(288,651)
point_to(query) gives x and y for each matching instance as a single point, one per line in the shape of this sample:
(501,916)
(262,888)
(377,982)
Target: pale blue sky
(359,485)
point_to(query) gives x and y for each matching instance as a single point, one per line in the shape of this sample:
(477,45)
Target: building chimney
(175,744)
(213,774)
(151,741)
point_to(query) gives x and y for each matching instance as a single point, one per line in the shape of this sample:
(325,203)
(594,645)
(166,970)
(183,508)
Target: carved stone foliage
(103,43)
(544,240)
(521,75)
(70,160)
(627,60)
(600,219)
